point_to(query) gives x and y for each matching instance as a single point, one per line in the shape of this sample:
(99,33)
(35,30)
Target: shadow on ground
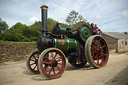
(86,67)
(119,79)
(26,71)
(38,77)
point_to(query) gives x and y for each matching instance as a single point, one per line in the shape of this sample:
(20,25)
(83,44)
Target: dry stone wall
(15,51)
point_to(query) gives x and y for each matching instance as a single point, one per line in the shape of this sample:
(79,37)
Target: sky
(109,15)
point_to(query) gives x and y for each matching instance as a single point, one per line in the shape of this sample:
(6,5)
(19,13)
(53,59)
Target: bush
(26,40)
(13,37)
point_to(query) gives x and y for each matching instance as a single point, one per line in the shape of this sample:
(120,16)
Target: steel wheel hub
(54,63)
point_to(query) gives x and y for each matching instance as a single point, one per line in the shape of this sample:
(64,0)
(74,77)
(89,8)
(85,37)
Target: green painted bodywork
(69,44)
(85,32)
(62,30)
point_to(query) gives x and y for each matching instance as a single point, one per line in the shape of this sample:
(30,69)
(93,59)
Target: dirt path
(114,73)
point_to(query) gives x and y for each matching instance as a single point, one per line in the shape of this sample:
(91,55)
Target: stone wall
(15,51)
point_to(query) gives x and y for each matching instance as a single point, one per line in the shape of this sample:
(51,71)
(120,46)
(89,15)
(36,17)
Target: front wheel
(52,63)
(32,61)
(96,51)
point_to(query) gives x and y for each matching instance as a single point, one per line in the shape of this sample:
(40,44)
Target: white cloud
(31,20)
(98,16)
(125,14)
(106,13)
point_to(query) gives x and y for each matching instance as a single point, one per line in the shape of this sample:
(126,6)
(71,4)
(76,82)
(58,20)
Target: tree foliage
(74,17)
(12,35)
(23,33)
(50,24)
(74,20)
(126,33)
(3,26)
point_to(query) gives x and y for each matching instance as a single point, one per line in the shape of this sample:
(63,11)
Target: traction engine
(78,47)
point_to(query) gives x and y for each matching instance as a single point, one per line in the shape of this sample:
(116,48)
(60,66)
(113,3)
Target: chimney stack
(44,17)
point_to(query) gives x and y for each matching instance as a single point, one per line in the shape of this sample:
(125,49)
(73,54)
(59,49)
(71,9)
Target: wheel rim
(97,51)
(52,63)
(32,62)
(84,32)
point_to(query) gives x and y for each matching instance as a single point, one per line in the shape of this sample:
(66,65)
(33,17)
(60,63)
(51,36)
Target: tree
(50,24)
(12,35)
(74,17)
(37,25)
(3,26)
(15,33)
(75,26)
(126,33)
(18,25)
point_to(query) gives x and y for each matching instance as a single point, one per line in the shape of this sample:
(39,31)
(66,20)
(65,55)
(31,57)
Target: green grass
(25,42)
(18,42)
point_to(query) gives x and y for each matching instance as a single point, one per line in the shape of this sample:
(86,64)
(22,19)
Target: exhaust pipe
(44,17)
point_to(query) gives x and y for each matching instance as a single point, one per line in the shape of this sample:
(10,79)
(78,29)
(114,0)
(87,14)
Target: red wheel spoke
(103,54)
(95,56)
(53,70)
(47,58)
(59,58)
(50,71)
(46,62)
(55,56)
(102,59)
(103,46)
(96,42)
(99,42)
(99,39)
(59,69)
(93,51)
(99,56)
(102,50)
(46,67)
(94,46)
(59,63)
(97,60)
(52,55)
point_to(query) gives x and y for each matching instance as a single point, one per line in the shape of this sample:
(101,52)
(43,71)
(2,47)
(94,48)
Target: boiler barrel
(66,44)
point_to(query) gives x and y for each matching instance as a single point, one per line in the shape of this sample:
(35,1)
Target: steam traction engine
(54,47)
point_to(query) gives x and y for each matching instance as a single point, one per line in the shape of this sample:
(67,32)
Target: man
(94,31)
(97,30)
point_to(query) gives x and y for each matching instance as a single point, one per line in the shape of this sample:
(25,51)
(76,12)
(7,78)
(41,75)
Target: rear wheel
(52,63)
(96,51)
